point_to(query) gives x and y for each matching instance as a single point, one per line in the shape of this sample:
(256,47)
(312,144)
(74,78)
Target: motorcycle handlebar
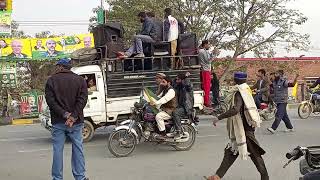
(293,154)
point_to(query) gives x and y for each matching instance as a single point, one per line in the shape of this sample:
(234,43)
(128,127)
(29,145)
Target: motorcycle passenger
(184,94)
(167,105)
(261,88)
(315,87)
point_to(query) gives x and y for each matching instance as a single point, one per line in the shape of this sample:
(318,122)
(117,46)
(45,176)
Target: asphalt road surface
(25,154)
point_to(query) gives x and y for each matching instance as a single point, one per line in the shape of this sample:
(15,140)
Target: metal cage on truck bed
(122,81)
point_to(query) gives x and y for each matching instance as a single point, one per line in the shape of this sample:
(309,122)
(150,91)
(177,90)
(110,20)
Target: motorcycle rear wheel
(122,143)
(185,146)
(304,110)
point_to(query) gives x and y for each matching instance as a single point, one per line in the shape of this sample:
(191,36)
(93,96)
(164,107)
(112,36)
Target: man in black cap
(66,95)
(280,97)
(243,117)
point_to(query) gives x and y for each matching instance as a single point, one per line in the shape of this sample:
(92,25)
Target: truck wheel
(87,131)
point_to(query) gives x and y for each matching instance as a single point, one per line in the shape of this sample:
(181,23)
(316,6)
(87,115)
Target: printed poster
(60,46)
(15,49)
(8,73)
(5,23)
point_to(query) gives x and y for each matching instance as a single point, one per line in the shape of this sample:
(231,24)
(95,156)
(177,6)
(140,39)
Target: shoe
(160,137)
(122,55)
(271,130)
(176,135)
(86,179)
(171,135)
(140,55)
(289,130)
(215,177)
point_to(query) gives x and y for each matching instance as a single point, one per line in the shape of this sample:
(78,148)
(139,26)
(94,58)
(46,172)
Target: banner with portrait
(43,49)
(54,48)
(15,49)
(8,73)
(5,23)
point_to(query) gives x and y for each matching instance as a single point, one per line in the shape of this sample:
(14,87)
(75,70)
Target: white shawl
(235,127)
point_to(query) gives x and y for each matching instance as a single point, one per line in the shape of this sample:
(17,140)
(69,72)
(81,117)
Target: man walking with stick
(66,96)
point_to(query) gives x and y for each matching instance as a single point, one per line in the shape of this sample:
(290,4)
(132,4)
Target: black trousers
(177,115)
(229,158)
(282,114)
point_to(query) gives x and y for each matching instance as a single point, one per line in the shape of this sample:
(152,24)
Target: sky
(81,10)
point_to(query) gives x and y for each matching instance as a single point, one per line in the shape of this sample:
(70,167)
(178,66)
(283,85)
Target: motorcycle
(307,107)
(267,111)
(143,127)
(311,161)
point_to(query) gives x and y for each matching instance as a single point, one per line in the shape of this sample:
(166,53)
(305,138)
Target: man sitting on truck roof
(148,34)
(167,105)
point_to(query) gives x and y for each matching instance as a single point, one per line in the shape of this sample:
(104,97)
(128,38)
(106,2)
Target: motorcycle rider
(184,94)
(261,88)
(315,87)
(167,105)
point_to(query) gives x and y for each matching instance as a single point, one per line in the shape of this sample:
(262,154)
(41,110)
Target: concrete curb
(25,121)
(293,106)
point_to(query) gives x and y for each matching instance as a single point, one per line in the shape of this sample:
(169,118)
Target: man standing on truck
(206,58)
(167,105)
(171,29)
(66,95)
(148,34)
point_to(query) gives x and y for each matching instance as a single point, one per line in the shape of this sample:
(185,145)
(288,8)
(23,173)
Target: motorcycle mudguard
(304,102)
(125,122)
(134,132)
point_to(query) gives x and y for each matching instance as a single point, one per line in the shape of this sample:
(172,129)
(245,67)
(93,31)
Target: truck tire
(87,131)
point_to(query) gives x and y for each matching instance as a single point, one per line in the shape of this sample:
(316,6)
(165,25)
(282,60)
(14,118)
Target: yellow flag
(295,90)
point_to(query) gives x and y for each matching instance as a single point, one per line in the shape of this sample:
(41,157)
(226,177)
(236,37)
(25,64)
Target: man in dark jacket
(238,108)
(66,95)
(280,98)
(184,94)
(148,34)
(261,88)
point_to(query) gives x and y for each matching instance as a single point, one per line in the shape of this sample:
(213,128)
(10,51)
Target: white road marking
(212,135)
(49,149)
(23,139)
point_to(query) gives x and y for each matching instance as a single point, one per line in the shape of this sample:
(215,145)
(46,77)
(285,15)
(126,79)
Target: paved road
(25,153)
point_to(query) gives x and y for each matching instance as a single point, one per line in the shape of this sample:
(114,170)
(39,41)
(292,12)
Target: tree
(239,26)
(247,20)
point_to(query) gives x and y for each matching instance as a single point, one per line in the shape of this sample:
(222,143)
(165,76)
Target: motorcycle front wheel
(122,143)
(185,146)
(304,110)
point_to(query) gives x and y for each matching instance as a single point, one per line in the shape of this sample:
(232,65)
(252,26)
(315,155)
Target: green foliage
(240,26)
